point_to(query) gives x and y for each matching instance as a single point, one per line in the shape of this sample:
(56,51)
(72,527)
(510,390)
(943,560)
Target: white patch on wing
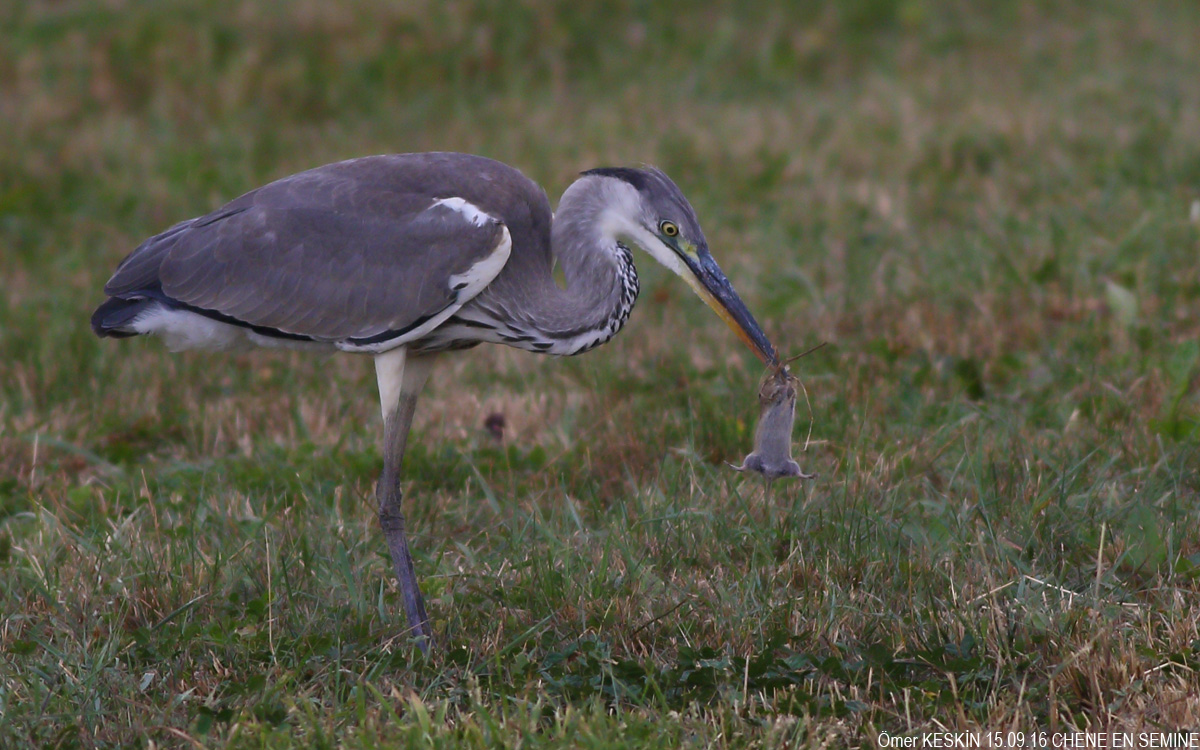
(467,284)
(467,209)
(472,281)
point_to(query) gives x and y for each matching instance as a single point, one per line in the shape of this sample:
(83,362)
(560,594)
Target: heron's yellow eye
(668,228)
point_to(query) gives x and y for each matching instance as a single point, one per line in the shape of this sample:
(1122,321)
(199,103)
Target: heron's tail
(116,316)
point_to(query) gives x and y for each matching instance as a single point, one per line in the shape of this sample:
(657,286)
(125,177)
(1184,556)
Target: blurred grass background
(990,210)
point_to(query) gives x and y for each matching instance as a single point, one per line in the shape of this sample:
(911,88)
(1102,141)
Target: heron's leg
(400,377)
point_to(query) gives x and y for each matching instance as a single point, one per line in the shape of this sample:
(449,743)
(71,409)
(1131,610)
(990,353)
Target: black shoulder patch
(636,177)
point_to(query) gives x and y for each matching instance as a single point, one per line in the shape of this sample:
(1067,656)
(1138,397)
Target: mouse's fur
(772,456)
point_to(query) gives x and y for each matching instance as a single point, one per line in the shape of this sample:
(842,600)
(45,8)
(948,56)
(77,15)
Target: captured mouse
(772,456)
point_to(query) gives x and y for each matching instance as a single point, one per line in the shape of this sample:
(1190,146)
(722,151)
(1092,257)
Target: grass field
(990,210)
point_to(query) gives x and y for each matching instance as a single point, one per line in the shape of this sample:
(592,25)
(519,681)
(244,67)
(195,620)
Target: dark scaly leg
(400,377)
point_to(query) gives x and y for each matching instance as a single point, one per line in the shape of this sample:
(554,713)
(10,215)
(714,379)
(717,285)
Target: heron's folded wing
(346,269)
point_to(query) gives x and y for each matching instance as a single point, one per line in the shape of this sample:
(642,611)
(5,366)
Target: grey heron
(404,257)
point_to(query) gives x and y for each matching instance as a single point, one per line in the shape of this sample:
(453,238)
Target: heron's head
(644,207)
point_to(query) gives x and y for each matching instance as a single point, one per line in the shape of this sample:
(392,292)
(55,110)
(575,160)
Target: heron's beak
(710,283)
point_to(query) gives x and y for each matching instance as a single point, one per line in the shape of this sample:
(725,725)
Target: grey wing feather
(324,253)
(139,269)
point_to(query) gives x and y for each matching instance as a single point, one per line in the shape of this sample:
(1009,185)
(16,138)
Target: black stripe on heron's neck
(636,177)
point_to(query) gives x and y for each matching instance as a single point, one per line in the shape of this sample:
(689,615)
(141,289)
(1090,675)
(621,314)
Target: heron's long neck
(601,281)
(525,308)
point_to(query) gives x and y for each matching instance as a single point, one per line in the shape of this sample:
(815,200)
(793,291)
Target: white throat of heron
(616,225)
